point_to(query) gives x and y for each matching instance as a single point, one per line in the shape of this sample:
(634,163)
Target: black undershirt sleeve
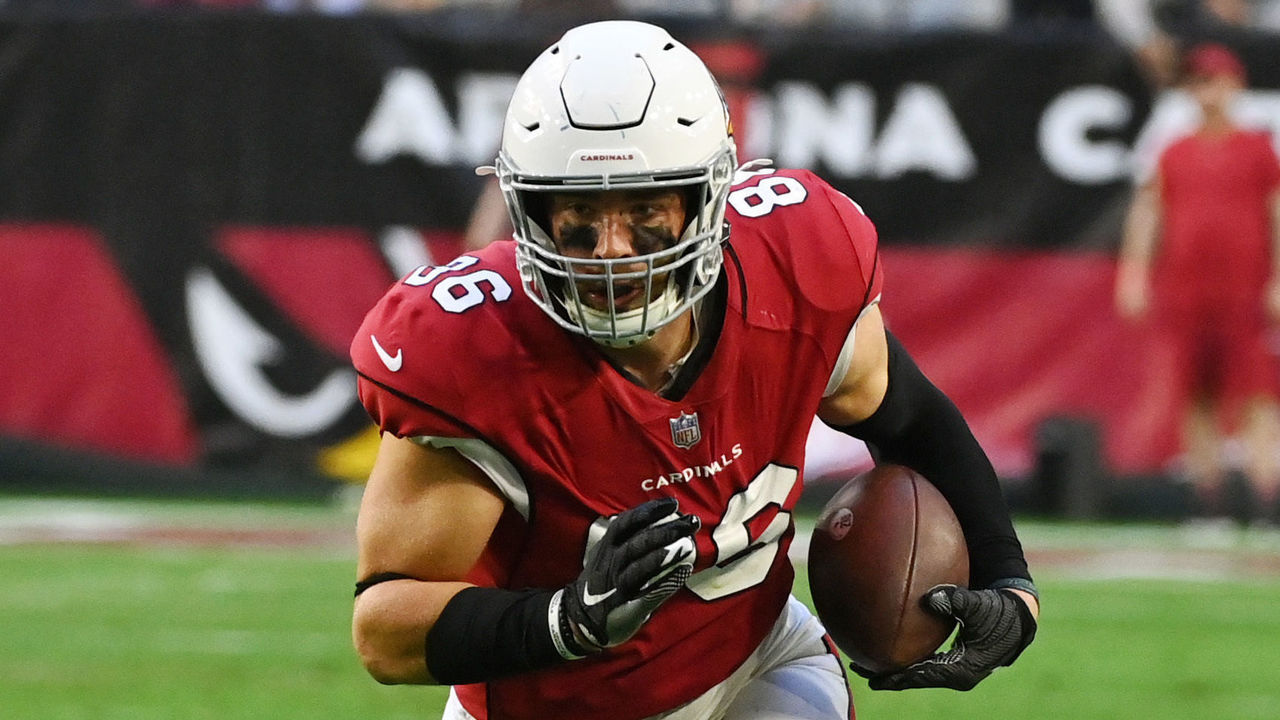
(918,426)
(488,633)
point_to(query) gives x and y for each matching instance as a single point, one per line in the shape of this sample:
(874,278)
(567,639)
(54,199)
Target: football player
(593,435)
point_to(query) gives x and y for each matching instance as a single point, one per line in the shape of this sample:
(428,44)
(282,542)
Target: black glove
(646,555)
(995,627)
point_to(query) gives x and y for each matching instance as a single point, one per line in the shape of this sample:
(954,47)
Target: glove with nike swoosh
(646,555)
(995,627)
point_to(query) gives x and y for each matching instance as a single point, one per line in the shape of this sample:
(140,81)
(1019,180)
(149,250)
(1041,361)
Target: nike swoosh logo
(678,550)
(393,362)
(588,599)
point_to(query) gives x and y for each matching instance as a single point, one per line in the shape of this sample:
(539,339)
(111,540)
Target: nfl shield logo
(685,432)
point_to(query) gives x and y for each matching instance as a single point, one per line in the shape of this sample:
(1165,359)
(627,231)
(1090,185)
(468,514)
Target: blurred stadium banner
(196,211)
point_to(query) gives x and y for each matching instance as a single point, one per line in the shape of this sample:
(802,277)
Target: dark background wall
(196,210)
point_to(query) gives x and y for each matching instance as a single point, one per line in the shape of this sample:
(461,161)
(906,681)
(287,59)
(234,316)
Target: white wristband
(557,636)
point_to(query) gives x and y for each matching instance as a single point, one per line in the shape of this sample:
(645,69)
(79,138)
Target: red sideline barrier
(1012,337)
(82,363)
(1015,337)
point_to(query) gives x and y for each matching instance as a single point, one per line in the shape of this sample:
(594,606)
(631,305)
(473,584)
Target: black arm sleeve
(487,633)
(918,426)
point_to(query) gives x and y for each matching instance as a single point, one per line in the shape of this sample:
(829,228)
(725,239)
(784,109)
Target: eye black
(578,237)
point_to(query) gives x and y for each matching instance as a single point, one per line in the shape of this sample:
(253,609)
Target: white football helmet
(617,105)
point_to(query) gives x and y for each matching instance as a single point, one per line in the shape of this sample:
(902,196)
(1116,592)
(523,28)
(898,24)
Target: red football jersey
(1216,244)
(459,351)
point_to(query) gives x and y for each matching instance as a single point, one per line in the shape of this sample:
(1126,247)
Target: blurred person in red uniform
(594,434)
(1199,260)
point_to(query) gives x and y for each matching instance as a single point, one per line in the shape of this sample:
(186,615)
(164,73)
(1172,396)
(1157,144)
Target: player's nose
(614,238)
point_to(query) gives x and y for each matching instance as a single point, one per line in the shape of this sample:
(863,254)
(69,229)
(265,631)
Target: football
(883,539)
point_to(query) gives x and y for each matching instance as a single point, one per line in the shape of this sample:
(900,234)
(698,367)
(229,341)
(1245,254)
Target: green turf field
(165,629)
